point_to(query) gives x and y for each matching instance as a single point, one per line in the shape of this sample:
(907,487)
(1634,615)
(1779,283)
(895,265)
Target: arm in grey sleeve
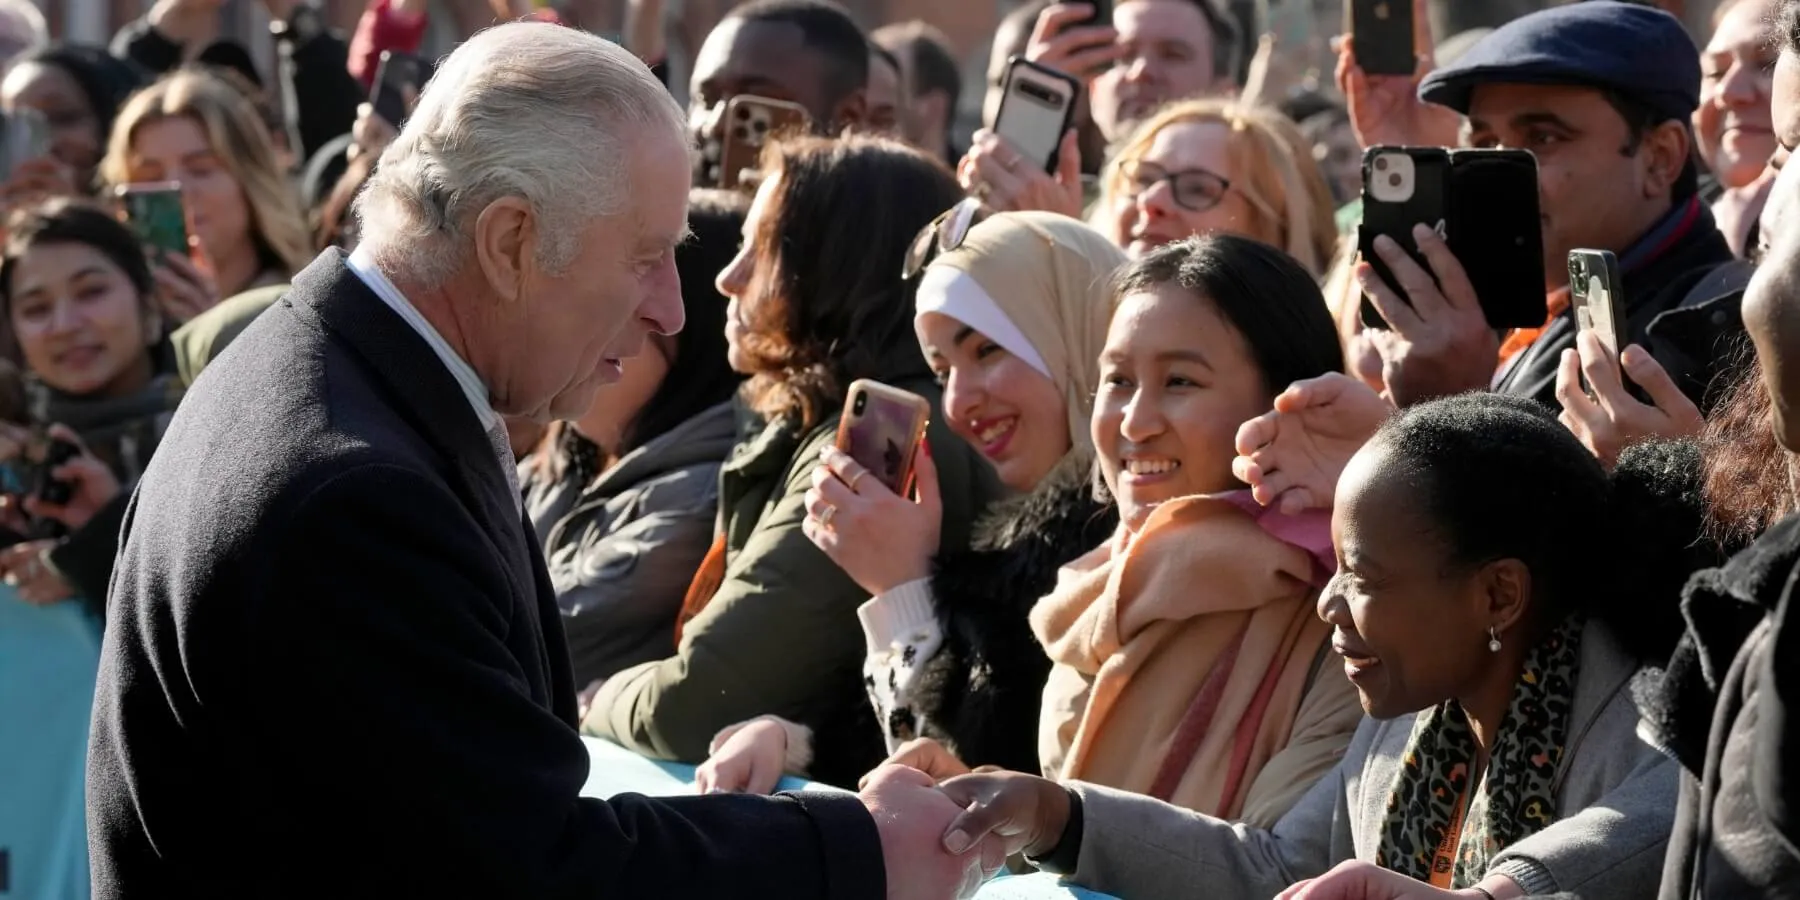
(1136,846)
(1612,848)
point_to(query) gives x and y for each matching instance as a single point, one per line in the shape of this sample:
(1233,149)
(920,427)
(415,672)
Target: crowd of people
(452,442)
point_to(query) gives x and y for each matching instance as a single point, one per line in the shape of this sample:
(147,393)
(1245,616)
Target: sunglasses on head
(944,234)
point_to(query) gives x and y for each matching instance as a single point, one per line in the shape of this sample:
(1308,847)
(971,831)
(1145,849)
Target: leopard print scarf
(1514,800)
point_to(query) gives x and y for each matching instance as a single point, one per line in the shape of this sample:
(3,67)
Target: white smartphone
(1037,108)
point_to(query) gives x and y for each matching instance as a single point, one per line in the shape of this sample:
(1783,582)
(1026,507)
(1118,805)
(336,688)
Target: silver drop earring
(1493,640)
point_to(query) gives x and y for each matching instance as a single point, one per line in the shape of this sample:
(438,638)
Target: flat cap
(1641,52)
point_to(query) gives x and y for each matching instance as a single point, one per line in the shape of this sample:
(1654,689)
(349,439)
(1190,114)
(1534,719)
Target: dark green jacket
(781,635)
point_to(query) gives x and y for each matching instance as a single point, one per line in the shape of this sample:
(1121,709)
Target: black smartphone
(1383,31)
(1102,14)
(1484,203)
(395,76)
(1597,298)
(154,210)
(1037,107)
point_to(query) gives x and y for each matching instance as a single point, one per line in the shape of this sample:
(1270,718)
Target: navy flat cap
(1638,51)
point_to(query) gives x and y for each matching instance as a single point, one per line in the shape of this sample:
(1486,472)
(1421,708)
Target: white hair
(532,110)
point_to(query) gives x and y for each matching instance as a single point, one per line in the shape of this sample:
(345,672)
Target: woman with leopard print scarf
(1494,592)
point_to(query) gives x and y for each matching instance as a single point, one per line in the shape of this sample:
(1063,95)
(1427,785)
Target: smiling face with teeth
(1176,381)
(996,401)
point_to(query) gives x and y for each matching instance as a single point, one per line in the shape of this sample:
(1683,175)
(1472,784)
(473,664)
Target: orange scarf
(1180,654)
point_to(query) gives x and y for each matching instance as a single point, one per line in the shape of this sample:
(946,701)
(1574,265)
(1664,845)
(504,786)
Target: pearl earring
(1493,640)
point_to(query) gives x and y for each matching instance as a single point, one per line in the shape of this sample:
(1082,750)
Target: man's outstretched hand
(912,816)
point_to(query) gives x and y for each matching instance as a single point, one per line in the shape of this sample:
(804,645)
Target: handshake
(945,840)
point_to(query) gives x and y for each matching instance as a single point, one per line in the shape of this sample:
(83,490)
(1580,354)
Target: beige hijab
(1051,276)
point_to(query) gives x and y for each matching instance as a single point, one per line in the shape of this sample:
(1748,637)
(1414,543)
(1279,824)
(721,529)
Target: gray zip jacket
(1615,797)
(623,548)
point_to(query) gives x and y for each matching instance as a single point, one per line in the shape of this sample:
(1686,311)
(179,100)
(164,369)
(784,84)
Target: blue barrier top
(615,770)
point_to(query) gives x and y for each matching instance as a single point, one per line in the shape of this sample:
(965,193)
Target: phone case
(1037,107)
(156,213)
(1402,186)
(750,122)
(1483,202)
(1383,30)
(1596,297)
(881,429)
(1497,233)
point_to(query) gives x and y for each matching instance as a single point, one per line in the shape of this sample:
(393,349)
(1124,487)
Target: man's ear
(850,112)
(505,239)
(1664,154)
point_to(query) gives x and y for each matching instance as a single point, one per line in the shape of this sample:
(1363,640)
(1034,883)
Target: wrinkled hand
(35,180)
(1386,109)
(1612,419)
(1440,343)
(925,755)
(880,539)
(26,568)
(91,486)
(749,761)
(183,289)
(1006,181)
(1083,51)
(1293,455)
(1358,880)
(1026,813)
(912,817)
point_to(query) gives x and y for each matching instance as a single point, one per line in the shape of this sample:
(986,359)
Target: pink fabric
(381,28)
(1310,531)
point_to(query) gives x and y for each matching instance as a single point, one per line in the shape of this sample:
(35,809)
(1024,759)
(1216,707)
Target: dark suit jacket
(334,665)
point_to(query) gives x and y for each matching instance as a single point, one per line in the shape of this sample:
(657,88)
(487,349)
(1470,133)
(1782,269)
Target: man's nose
(664,309)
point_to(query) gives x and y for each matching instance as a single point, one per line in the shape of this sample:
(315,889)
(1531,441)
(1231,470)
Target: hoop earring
(1493,640)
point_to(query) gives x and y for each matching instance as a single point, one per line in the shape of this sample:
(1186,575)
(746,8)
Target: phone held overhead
(1482,203)
(1383,35)
(1037,107)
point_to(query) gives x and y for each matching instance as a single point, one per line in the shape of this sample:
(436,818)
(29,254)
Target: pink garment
(382,28)
(1310,531)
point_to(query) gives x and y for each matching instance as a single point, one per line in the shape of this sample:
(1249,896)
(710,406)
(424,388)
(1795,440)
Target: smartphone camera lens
(743,112)
(740,132)
(862,402)
(1394,179)
(1381,163)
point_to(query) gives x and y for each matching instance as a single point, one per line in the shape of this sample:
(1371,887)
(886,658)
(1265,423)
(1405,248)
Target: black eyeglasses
(1196,190)
(944,234)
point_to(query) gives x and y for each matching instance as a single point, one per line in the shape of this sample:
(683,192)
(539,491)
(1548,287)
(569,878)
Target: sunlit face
(1732,126)
(1178,189)
(1176,381)
(582,327)
(1003,407)
(81,324)
(176,149)
(76,139)
(1168,55)
(736,279)
(1404,617)
(1578,139)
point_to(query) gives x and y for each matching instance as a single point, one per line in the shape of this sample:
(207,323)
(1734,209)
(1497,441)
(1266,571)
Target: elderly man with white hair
(333,664)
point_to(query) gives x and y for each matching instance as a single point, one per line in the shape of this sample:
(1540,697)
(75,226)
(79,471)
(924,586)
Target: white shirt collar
(473,387)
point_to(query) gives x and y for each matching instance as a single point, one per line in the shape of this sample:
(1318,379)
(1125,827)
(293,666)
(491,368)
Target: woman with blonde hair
(1203,166)
(246,225)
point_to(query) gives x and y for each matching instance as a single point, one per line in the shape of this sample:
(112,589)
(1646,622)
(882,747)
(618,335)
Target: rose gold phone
(881,429)
(750,123)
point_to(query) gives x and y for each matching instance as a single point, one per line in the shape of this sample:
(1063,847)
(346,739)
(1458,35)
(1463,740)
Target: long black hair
(104,79)
(1499,478)
(1264,293)
(700,376)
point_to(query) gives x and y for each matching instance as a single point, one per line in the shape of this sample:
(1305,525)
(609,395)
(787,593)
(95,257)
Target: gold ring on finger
(857,479)
(826,516)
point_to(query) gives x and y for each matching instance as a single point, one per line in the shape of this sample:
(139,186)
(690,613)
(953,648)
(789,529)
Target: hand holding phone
(1037,109)
(1383,32)
(1596,297)
(1610,418)
(1077,38)
(1386,109)
(861,510)
(399,78)
(157,213)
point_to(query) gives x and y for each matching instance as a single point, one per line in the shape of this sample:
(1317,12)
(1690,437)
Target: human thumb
(1068,160)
